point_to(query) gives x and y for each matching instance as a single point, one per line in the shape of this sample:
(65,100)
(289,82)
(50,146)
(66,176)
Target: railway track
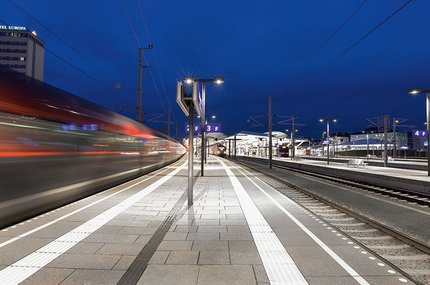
(407,255)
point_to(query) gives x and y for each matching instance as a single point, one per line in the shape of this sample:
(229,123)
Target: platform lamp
(415,91)
(217,80)
(328,120)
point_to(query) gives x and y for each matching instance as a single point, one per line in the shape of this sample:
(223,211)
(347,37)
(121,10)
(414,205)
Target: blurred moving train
(219,149)
(56,147)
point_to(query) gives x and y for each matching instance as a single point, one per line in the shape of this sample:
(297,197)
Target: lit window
(22,58)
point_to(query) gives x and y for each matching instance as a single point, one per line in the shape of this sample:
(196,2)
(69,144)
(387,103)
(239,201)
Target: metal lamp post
(218,81)
(328,120)
(427,92)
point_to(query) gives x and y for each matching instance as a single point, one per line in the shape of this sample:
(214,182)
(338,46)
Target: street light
(203,81)
(328,120)
(415,91)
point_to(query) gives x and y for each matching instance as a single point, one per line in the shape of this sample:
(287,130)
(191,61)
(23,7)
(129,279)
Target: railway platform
(239,231)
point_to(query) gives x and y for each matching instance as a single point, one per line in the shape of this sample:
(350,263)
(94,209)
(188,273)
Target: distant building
(22,50)
(401,138)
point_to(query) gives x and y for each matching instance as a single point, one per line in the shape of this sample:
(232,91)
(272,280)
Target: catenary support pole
(139,88)
(270,132)
(190,155)
(385,154)
(203,150)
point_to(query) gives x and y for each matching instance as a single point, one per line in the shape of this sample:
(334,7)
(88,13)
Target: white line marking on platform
(9,241)
(280,267)
(27,266)
(330,252)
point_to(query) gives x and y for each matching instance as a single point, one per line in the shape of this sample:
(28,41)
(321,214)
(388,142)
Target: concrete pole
(234,147)
(328,141)
(385,155)
(190,155)
(428,131)
(270,132)
(367,136)
(394,139)
(293,137)
(139,88)
(203,150)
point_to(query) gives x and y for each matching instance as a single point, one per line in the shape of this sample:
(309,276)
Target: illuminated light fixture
(321,120)
(415,91)
(218,80)
(213,117)
(189,80)
(34,33)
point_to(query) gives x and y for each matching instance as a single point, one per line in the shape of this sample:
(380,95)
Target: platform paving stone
(49,276)
(245,257)
(159,257)
(115,238)
(175,245)
(209,229)
(87,261)
(86,248)
(203,236)
(226,275)
(210,245)
(124,262)
(183,257)
(97,277)
(175,236)
(120,249)
(214,257)
(170,275)
(236,236)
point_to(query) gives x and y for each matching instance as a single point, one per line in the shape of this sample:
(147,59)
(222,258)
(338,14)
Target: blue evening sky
(262,48)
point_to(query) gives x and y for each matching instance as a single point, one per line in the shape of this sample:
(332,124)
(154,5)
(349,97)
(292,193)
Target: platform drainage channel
(139,265)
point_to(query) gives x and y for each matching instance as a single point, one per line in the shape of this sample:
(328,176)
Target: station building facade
(22,50)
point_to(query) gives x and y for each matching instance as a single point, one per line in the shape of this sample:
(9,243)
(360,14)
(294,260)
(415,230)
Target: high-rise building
(22,50)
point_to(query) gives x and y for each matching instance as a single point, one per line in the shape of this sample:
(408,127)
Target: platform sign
(187,95)
(209,128)
(213,128)
(419,133)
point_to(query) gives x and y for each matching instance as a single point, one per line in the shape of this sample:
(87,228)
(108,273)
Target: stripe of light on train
(279,265)
(27,266)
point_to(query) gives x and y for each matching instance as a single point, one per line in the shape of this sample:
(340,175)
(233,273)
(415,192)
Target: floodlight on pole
(218,80)
(415,91)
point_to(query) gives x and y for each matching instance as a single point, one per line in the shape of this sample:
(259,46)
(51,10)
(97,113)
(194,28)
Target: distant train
(56,147)
(284,150)
(219,149)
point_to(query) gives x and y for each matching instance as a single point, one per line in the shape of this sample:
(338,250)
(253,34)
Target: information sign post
(188,102)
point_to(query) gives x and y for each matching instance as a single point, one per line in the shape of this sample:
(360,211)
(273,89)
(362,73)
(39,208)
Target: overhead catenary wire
(133,30)
(81,71)
(332,35)
(62,40)
(130,23)
(343,53)
(142,17)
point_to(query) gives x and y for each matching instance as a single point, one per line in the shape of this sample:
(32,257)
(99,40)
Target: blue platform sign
(419,133)
(209,128)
